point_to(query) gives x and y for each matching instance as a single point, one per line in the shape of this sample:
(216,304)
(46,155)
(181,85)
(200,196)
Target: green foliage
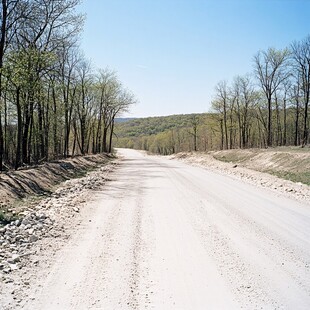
(52,102)
(176,133)
(23,68)
(167,134)
(154,125)
(5,218)
(303,177)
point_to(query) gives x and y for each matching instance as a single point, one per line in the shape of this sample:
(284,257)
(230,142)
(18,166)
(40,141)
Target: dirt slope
(290,163)
(42,180)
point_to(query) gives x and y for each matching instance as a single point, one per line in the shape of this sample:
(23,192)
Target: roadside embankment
(34,183)
(290,163)
(284,170)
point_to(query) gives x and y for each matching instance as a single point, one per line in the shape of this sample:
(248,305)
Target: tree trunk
(225,126)
(4,14)
(269,129)
(284,123)
(296,143)
(99,131)
(19,130)
(279,129)
(6,141)
(1,143)
(222,134)
(41,135)
(111,135)
(46,125)
(56,150)
(305,133)
(25,134)
(104,139)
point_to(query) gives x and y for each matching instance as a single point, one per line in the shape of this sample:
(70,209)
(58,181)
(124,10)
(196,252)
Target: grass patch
(233,157)
(224,158)
(303,177)
(287,163)
(6,218)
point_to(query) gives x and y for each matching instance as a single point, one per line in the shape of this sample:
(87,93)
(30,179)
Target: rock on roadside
(22,240)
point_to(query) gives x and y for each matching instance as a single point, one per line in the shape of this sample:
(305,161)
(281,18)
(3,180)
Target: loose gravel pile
(22,241)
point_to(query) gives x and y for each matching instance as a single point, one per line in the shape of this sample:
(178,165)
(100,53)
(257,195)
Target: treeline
(52,102)
(268,107)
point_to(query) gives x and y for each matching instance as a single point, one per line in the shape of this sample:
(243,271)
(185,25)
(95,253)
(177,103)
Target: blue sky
(171,53)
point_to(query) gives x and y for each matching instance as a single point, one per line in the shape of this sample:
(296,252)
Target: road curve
(166,235)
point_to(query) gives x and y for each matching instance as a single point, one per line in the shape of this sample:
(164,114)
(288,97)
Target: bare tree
(246,98)
(221,105)
(67,72)
(301,58)
(123,101)
(108,88)
(296,97)
(269,67)
(287,86)
(84,104)
(194,123)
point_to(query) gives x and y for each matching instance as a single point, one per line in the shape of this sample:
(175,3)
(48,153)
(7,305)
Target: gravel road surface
(166,235)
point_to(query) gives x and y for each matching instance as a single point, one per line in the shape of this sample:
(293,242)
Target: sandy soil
(162,234)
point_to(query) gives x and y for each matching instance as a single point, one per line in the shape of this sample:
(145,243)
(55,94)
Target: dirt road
(166,235)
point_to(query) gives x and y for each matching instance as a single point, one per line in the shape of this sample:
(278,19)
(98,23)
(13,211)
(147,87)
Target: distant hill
(163,134)
(135,127)
(124,119)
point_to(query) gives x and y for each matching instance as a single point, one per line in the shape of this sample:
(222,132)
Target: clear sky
(172,53)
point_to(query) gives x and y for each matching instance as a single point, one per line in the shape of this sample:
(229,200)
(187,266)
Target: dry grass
(290,163)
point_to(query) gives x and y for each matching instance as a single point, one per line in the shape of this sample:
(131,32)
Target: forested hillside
(168,134)
(202,132)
